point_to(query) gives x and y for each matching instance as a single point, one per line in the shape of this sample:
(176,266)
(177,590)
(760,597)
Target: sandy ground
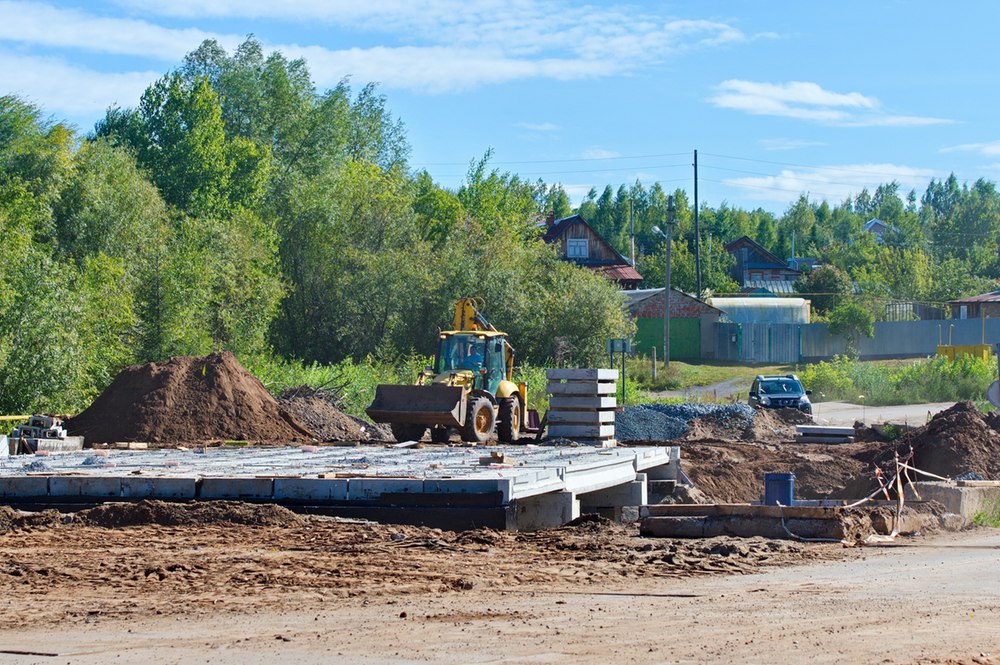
(311,591)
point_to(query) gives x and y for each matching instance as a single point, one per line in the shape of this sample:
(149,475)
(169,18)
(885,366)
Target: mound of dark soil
(187,399)
(12,520)
(318,412)
(116,515)
(955,441)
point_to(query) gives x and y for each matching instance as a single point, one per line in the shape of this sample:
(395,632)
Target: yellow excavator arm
(467,316)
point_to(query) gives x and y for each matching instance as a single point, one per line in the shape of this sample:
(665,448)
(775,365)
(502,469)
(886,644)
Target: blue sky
(779,98)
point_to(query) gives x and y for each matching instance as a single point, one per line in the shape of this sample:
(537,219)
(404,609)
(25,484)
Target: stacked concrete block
(582,405)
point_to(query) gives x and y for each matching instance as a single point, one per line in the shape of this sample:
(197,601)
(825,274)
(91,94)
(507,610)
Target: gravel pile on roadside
(667,422)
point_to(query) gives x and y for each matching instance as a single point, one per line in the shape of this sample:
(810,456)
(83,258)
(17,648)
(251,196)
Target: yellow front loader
(469,390)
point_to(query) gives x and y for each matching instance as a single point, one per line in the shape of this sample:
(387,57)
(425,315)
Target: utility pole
(631,232)
(697,232)
(666,292)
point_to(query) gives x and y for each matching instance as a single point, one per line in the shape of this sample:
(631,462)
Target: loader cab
(483,355)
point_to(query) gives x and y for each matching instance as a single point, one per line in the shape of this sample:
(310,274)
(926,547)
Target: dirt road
(845,413)
(322,592)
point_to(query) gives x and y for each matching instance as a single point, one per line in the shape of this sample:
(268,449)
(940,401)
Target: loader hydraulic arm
(467,316)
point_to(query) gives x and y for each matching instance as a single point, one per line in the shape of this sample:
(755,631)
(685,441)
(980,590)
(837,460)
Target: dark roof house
(758,271)
(578,242)
(976,307)
(878,228)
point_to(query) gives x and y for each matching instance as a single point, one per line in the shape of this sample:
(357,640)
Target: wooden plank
(582,417)
(576,402)
(571,431)
(582,374)
(581,388)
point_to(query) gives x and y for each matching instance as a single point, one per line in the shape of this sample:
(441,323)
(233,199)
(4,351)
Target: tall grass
(935,379)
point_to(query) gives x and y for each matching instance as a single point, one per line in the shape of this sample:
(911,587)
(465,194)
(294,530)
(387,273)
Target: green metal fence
(685,337)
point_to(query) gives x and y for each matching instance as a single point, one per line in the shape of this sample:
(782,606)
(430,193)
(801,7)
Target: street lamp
(666,291)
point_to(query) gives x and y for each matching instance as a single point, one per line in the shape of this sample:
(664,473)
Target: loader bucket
(434,404)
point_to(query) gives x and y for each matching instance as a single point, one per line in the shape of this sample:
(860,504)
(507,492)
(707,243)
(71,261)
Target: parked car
(780,392)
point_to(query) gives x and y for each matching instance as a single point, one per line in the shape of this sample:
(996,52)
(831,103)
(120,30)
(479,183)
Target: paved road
(845,413)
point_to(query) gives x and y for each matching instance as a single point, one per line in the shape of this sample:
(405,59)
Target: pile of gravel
(666,422)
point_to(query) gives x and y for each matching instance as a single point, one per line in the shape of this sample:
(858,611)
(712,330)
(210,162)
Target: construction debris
(42,433)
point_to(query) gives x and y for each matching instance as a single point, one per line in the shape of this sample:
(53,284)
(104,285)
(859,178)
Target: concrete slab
(559,402)
(138,487)
(370,489)
(88,486)
(236,488)
(593,417)
(580,374)
(310,489)
(20,487)
(966,502)
(580,388)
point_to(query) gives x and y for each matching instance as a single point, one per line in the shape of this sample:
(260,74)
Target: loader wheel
(509,420)
(407,431)
(480,420)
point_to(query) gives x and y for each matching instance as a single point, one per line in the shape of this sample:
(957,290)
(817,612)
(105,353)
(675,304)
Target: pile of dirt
(12,520)
(187,399)
(958,440)
(117,515)
(317,410)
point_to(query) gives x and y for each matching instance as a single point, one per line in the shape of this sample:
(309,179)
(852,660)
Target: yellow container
(953,351)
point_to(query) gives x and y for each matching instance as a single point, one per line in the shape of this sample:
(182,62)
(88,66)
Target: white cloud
(788,144)
(988,149)
(833,183)
(600,153)
(448,45)
(804,100)
(432,46)
(539,126)
(57,86)
(44,25)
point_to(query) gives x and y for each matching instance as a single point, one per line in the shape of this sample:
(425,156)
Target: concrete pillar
(543,511)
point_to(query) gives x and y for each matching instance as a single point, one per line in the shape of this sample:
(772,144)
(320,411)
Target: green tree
(827,287)
(852,321)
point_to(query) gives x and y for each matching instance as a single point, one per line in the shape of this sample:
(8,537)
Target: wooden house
(976,307)
(578,242)
(757,270)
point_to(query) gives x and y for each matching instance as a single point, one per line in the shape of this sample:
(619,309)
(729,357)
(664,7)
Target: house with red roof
(577,241)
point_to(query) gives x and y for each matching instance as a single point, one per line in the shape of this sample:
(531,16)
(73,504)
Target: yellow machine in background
(469,389)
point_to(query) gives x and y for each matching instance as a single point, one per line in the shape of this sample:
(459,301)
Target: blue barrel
(779,488)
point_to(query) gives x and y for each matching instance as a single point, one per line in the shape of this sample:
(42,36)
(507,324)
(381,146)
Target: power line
(562,161)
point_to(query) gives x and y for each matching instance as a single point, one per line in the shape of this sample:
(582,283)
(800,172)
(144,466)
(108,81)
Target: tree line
(237,206)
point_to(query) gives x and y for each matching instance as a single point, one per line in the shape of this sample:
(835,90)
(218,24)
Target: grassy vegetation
(990,516)
(683,375)
(929,380)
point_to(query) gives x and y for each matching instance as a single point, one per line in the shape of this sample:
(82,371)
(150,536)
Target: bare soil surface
(187,399)
(235,583)
(729,465)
